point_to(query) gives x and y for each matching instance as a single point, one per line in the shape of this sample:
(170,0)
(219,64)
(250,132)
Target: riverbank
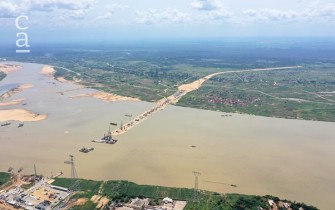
(91,194)
(122,192)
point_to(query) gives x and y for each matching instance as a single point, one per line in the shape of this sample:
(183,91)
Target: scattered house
(271,202)
(167,200)
(286,205)
(138,203)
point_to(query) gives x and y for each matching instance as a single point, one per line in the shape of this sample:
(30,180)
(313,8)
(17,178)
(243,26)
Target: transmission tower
(196,197)
(74,176)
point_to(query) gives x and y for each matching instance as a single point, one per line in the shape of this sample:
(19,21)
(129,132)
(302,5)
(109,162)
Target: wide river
(292,159)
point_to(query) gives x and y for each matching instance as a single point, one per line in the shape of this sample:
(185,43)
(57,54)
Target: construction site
(32,192)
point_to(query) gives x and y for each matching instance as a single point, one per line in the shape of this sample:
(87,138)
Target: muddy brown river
(291,159)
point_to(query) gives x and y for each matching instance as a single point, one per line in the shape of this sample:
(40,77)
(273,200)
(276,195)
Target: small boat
(193,146)
(86,149)
(128,115)
(18,171)
(10,169)
(20,125)
(115,124)
(5,124)
(232,185)
(99,141)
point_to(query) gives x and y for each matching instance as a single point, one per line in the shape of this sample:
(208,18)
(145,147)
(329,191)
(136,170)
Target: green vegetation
(89,205)
(123,191)
(295,94)
(304,93)
(151,72)
(4,178)
(87,188)
(2,75)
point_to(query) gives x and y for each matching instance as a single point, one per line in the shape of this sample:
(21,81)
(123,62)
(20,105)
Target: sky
(69,20)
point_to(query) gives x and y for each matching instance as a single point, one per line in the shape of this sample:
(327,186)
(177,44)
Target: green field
(4,178)
(2,75)
(88,188)
(123,191)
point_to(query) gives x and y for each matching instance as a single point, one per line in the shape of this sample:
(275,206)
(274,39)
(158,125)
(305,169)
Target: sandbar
(12,103)
(108,97)
(13,91)
(20,115)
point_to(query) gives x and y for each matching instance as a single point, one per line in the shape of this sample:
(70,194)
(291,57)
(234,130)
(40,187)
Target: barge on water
(107,139)
(5,124)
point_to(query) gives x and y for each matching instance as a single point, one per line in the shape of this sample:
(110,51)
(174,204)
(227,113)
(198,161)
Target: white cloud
(214,10)
(78,14)
(117,6)
(50,5)
(219,15)
(14,8)
(207,4)
(316,12)
(152,16)
(9,9)
(111,11)
(271,14)
(106,16)
(320,11)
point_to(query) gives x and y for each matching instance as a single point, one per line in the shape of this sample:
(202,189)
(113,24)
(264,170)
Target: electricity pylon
(196,197)
(74,176)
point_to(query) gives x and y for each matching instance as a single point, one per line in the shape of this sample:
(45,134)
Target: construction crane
(74,176)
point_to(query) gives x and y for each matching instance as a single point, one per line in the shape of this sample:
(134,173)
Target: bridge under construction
(182,91)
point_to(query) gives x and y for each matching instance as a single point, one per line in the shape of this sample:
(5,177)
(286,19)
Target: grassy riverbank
(123,191)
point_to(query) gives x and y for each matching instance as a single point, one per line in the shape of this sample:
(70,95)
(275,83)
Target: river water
(292,159)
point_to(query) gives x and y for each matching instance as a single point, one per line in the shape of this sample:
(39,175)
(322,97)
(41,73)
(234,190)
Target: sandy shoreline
(8,68)
(12,103)
(104,96)
(20,115)
(48,70)
(108,97)
(16,90)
